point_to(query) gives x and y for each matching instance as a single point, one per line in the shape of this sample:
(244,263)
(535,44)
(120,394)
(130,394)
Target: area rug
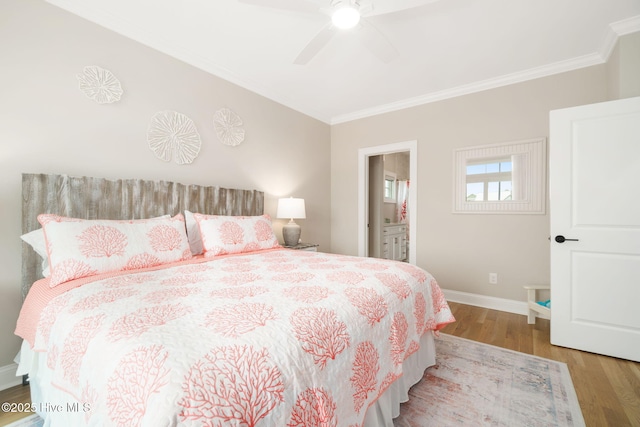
(475,384)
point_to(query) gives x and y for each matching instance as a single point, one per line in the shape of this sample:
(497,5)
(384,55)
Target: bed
(246,333)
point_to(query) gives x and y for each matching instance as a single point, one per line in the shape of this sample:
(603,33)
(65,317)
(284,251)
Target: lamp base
(291,233)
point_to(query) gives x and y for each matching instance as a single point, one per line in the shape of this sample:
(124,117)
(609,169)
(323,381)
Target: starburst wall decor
(228,126)
(172,134)
(100,85)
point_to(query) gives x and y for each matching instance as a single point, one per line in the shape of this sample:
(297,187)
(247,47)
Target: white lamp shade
(291,208)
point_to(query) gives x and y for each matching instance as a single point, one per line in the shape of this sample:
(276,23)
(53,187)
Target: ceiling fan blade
(376,42)
(316,44)
(305,6)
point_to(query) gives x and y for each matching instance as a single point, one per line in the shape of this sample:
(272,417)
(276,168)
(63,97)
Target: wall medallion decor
(172,134)
(228,126)
(99,84)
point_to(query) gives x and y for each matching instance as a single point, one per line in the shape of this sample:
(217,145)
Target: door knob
(561,239)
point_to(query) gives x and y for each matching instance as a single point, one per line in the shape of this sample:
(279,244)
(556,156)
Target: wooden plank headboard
(99,198)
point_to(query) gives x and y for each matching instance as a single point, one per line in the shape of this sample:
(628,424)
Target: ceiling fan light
(345,17)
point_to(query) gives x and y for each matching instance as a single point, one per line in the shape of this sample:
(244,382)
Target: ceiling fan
(345,14)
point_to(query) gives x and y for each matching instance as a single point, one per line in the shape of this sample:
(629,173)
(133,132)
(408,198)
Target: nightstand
(311,247)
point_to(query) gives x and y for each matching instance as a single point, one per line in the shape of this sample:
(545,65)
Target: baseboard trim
(8,376)
(494,303)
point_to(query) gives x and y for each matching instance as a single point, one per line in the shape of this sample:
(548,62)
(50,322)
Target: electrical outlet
(493,278)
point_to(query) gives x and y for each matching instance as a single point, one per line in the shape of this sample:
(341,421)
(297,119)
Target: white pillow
(222,235)
(80,248)
(36,240)
(193,233)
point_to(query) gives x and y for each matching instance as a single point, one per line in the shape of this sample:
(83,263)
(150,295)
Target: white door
(594,185)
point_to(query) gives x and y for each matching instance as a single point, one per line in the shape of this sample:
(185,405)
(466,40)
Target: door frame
(363,193)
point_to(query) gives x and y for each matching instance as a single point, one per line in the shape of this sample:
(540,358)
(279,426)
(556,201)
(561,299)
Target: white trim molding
(608,43)
(626,26)
(615,31)
(8,376)
(475,87)
(493,303)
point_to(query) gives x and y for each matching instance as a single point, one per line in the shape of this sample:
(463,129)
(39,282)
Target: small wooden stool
(534,307)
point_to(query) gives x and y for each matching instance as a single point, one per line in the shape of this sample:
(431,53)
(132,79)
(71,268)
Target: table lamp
(291,208)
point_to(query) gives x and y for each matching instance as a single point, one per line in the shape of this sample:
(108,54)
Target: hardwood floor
(608,389)
(17,394)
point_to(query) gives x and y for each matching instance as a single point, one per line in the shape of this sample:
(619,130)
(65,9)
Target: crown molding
(626,26)
(519,77)
(615,31)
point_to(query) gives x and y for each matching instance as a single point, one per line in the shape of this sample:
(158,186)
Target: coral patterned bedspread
(272,338)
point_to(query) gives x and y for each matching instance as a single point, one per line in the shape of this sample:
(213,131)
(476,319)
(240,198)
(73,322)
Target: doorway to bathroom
(387,201)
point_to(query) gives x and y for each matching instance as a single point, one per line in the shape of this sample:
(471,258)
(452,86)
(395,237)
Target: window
(489,180)
(501,178)
(389,187)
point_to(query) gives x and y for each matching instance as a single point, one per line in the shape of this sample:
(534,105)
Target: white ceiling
(446,47)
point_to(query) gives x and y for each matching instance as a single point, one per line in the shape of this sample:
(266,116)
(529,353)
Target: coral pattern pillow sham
(223,235)
(80,248)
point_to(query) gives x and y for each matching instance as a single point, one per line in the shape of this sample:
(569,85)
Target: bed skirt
(380,414)
(387,407)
